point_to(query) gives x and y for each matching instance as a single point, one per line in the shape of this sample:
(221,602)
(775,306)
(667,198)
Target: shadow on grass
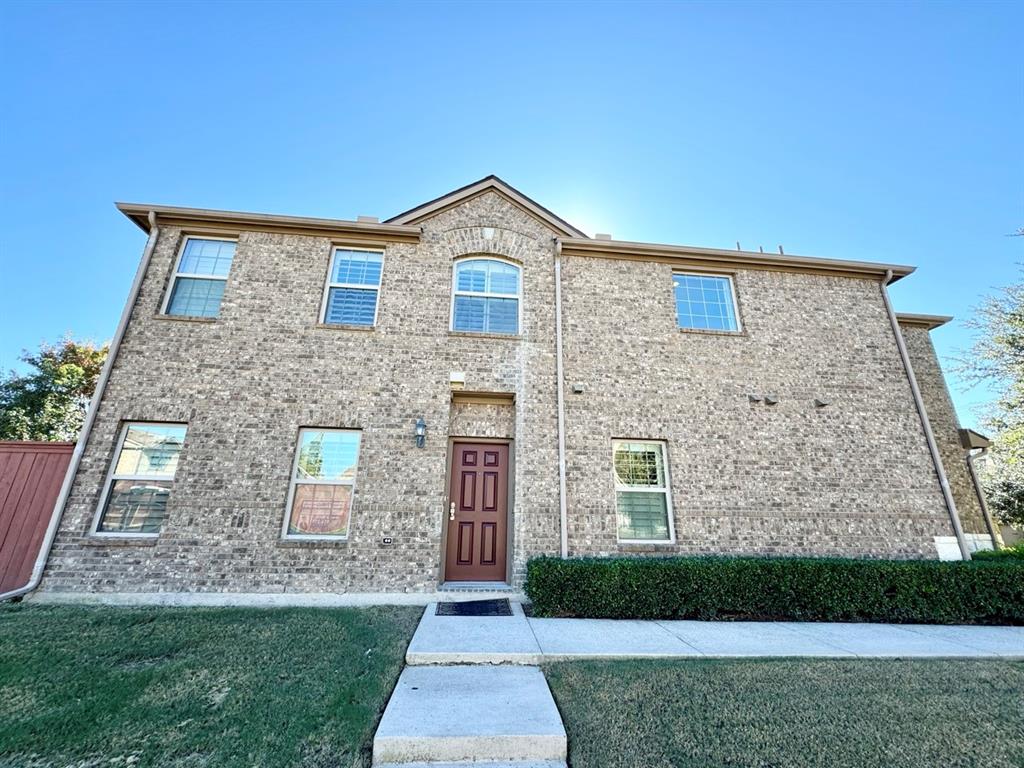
(195,687)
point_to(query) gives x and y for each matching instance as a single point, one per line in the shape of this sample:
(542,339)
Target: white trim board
(266,599)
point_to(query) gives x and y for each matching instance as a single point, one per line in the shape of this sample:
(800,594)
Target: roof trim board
(922,321)
(403,228)
(487,184)
(169,214)
(684,254)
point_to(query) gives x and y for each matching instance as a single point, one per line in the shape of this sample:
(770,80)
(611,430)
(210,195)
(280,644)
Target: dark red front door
(477,513)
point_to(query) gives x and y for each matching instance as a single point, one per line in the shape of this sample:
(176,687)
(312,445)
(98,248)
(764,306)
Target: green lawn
(792,713)
(195,688)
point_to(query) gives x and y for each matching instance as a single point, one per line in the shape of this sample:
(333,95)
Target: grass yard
(792,713)
(83,687)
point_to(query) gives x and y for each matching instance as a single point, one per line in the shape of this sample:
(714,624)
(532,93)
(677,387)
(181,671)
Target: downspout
(933,448)
(563,514)
(993,529)
(90,418)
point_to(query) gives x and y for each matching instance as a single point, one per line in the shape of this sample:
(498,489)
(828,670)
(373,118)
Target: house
(300,405)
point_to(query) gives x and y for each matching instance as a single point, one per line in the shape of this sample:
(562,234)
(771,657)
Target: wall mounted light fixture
(421,432)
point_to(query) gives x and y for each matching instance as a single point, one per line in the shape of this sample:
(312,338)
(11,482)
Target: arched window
(485,296)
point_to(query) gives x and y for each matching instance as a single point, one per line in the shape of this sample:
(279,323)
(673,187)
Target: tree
(49,402)
(997,356)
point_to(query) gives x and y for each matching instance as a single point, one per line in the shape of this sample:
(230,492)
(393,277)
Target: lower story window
(135,496)
(642,500)
(322,484)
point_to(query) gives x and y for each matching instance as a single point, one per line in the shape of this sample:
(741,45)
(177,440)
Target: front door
(477,513)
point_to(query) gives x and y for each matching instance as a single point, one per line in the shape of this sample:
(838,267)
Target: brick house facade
(795,432)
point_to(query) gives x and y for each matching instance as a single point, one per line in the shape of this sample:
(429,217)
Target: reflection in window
(705,302)
(320,496)
(135,497)
(641,490)
(198,283)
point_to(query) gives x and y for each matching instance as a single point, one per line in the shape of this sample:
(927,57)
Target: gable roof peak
(487,183)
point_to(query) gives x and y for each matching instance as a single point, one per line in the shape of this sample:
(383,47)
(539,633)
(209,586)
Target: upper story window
(705,302)
(485,296)
(353,285)
(198,282)
(134,500)
(323,481)
(642,499)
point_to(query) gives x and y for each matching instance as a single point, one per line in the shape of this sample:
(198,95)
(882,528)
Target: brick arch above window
(467,242)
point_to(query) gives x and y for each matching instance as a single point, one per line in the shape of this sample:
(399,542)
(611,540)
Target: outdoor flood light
(421,432)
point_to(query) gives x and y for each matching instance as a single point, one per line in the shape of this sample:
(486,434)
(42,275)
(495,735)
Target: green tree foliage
(997,357)
(49,401)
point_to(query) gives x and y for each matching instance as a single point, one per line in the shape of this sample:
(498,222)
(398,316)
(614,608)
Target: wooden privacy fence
(31,475)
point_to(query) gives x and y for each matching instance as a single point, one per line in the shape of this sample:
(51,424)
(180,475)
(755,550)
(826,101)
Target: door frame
(510,506)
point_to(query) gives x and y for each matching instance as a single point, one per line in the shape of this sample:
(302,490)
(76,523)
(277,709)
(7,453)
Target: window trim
(292,482)
(328,285)
(667,490)
(176,273)
(518,296)
(732,292)
(111,476)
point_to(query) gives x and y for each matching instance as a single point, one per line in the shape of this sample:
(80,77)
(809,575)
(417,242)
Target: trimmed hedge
(1013,553)
(779,589)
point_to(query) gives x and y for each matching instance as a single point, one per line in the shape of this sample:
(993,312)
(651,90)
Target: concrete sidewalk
(520,640)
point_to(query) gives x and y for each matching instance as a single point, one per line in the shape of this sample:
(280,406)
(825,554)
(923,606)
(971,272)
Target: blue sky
(887,132)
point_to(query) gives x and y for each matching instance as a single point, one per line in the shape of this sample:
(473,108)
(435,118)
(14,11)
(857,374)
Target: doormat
(475,608)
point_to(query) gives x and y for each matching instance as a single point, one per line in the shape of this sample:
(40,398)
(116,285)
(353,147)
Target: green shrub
(782,588)
(1006,553)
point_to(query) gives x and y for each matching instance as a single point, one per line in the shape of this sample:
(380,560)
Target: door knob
(451,511)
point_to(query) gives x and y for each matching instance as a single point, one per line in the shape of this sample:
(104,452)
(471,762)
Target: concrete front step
(470,713)
(473,639)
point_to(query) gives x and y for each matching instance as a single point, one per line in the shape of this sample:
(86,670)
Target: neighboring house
(313,405)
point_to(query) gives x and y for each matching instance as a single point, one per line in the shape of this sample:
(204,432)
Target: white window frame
(292,482)
(518,296)
(358,286)
(113,475)
(177,273)
(667,490)
(732,294)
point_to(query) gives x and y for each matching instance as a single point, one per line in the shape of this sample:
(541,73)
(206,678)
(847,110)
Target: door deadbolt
(451,511)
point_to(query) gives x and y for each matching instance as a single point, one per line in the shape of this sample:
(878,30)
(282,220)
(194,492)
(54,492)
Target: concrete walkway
(457,714)
(452,706)
(520,640)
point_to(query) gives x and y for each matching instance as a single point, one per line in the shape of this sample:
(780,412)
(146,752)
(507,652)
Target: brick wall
(945,425)
(852,478)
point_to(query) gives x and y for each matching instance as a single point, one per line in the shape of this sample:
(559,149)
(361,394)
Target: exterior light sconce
(421,432)
(770,400)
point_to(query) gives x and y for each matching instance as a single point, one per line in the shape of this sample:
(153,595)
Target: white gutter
(560,388)
(993,529)
(90,418)
(933,448)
